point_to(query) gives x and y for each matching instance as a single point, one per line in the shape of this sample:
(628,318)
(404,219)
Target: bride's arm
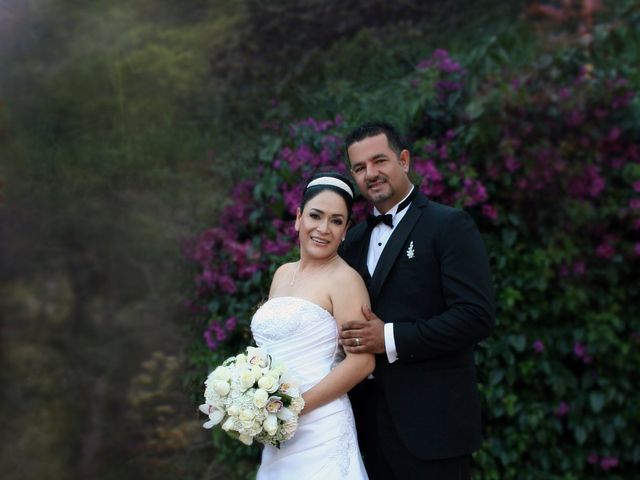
(348,295)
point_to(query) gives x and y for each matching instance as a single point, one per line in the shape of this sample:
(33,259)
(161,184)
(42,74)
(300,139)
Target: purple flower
(230,324)
(636,186)
(511,163)
(592,458)
(605,250)
(227,284)
(575,118)
(634,203)
(607,463)
(588,184)
(490,211)
(441,60)
(579,267)
(636,249)
(563,270)
(614,134)
(580,349)
(564,93)
(562,409)
(538,346)
(211,343)
(636,224)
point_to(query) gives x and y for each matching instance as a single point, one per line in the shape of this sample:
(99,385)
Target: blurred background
(123,127)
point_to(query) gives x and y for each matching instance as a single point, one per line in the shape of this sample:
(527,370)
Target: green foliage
(538,141)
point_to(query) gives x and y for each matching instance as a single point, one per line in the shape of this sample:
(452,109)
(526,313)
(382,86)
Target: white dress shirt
(379,238)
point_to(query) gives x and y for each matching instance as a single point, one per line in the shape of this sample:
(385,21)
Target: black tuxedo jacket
(433,282)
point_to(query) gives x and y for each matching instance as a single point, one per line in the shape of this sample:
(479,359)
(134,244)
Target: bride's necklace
(295,272)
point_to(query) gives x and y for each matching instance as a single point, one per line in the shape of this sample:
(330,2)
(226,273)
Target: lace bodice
(299,333)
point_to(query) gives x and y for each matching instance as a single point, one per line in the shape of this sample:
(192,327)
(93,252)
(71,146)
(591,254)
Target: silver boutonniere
(410,251)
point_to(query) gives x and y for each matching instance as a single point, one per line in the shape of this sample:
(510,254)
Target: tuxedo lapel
(396,241)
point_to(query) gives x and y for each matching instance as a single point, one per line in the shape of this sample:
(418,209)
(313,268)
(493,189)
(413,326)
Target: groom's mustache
(376,179)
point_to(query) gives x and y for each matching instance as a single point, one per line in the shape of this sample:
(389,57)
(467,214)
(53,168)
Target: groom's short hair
(371,129)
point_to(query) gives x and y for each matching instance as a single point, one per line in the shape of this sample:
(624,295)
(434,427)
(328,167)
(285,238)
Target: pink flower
(579,267)
(490,211)
(211,343)
(607,463)
(538,346)
(605,250)
(562,409)
(636,186)
(579,349)
(230,324)
(634,204)
(511,163)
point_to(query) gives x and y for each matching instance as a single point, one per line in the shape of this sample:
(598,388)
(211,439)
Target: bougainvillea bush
(546,157)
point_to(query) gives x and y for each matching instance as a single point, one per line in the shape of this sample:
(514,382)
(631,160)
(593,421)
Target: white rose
(270,425)
(278,369)
(221,387)
(222,373)
(297,404)
(269,383)
(247,415)
(228,424)
(241,359)
(257,372)
(260,398)
(246,439)
(247,379)
(234,410)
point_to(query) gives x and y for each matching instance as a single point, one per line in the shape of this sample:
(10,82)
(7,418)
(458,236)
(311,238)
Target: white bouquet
(253,398)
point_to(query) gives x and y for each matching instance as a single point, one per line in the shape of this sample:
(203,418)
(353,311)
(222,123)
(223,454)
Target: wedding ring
(357,341)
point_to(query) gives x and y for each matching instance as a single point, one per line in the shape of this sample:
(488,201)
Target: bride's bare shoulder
(344,276)
(282,273)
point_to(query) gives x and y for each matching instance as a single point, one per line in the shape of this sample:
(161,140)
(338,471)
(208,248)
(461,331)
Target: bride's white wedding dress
(304,336)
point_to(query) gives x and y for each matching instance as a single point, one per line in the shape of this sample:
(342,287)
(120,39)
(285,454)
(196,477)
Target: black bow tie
(387,218)
(373,220)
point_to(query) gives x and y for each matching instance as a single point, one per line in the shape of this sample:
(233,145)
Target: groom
(428,277)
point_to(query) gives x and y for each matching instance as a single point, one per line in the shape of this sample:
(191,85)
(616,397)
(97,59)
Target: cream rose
(221,387)
(270,425)
(260,398)
(222,373)
(268,383)
(228,424)
(247,379)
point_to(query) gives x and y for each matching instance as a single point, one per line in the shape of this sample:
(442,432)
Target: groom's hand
(363,337)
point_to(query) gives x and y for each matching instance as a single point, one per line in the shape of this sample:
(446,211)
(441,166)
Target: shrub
(546,157)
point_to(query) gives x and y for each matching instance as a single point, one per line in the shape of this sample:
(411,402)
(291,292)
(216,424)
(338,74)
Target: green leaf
(596,400)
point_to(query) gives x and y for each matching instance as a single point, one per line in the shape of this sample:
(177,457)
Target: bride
(299,324)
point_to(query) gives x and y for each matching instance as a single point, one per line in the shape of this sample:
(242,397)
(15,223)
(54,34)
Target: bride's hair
(334,181)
